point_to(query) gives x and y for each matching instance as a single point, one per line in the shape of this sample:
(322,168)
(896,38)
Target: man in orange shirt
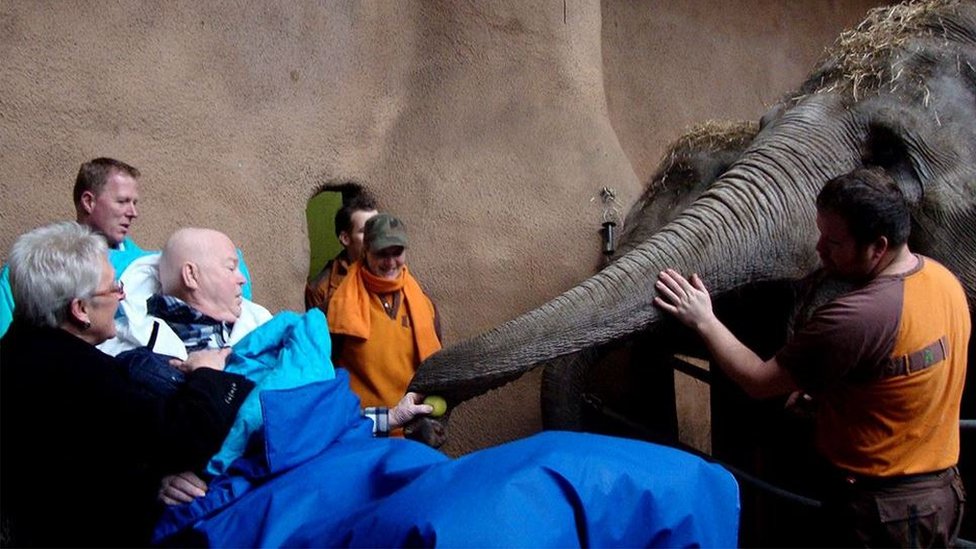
(885,363)
(382,323)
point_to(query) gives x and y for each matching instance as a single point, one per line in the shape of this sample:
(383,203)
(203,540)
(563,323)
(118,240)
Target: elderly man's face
(220,282)
(113,210)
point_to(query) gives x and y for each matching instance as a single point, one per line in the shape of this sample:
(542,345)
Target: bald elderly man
(188,298)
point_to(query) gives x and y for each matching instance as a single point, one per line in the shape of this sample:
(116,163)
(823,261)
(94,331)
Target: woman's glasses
(117,288)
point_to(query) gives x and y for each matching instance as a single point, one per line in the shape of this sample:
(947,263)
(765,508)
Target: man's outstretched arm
(690,303)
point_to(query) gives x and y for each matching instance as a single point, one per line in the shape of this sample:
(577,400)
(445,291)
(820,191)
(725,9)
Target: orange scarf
(349,307)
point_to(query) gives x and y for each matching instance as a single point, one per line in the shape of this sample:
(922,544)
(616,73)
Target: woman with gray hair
(83,448)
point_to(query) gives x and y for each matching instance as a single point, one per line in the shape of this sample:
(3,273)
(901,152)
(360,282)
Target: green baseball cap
(383,231)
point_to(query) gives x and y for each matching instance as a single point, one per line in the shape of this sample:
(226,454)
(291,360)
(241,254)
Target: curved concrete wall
(488,127)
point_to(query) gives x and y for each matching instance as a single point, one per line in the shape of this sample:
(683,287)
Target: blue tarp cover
(314,476)
(288,351)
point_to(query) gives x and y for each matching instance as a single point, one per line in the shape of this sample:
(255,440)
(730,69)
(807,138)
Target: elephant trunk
(761,208)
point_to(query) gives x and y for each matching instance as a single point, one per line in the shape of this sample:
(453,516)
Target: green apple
(438,404)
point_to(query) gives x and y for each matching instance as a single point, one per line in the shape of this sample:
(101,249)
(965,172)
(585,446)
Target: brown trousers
(909,511)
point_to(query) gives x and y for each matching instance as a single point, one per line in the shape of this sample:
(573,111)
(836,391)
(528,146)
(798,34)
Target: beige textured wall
(669,65)
(487,126)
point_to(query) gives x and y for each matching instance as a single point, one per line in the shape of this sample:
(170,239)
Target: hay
(715,135)
(711,135)
(866,59)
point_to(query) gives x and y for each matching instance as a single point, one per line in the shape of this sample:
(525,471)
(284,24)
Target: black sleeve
(196,419)
(70,413)
(337,341)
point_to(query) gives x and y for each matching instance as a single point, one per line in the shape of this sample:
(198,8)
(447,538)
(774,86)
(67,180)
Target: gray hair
(52,265)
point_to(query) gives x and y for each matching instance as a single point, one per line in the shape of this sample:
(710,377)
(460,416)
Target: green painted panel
(322,241)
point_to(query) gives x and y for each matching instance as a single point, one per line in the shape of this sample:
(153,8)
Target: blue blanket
(288,351)
(314,476)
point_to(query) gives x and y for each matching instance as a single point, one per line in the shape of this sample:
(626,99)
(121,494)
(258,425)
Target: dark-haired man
(885,363)
(350,222)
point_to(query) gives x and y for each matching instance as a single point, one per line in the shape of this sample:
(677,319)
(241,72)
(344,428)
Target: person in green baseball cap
(385,246)
(382,323)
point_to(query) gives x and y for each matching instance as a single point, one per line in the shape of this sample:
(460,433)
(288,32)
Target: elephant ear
(893,142)
(922,135)
(925,144)
(910,72)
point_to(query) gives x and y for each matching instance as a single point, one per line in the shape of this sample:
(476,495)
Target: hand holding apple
(438,404)
(408,409)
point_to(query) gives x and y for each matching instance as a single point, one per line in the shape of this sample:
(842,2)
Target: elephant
(906,107)
(762,314)
(898,92)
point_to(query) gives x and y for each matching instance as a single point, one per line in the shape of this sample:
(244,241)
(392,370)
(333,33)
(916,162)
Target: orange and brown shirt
(887,363)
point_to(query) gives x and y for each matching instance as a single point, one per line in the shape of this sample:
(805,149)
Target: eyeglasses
(117,288)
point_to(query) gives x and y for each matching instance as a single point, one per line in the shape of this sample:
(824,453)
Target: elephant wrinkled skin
(900,92)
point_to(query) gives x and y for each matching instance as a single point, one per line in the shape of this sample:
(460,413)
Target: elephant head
(898,92)
(689,167)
